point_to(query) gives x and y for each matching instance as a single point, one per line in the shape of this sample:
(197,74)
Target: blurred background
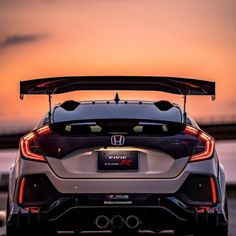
(185,38)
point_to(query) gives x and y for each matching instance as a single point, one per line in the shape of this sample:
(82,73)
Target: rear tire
(218,231)
(7,208)
(11,230)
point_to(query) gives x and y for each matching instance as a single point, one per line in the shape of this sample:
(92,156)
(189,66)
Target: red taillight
(26,147)
(29,146)
(191,130)
(208,149)
(205,144)
(44,130)
(21,191)
(213,190)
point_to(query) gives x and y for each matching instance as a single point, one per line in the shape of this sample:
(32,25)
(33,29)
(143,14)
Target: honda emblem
(117,140)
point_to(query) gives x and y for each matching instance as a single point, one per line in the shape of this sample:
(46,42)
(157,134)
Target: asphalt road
(232,220)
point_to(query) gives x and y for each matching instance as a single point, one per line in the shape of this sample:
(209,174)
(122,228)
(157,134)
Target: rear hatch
(117,149)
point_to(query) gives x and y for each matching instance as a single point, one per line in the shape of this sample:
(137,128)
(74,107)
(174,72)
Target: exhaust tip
(132,222)
(117,221)
(102,222)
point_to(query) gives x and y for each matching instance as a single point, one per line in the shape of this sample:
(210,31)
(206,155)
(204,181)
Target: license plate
(118,161)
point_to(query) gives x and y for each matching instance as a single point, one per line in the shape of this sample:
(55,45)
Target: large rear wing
(173,85)
(66,84)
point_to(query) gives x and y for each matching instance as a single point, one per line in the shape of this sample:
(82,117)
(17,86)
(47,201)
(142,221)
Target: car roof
(97,110)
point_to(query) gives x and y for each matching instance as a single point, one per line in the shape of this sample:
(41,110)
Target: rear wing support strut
(185,101)
(50,106)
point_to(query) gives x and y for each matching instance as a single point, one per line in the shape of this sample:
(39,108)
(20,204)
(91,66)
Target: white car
(117,165)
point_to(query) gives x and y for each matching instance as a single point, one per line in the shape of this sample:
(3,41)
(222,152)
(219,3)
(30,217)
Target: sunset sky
(186,38)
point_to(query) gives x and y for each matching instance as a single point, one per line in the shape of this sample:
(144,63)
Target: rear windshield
(98,111)
(117,127)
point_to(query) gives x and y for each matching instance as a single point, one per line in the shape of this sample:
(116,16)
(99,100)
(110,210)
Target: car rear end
(131,166)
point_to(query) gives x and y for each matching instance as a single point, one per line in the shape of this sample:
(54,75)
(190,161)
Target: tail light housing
(35,190)
(205,145)
(200,190)
(29,144)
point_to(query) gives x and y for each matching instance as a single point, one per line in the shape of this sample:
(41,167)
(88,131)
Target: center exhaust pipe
(102,222)
(132,222)
(117,221)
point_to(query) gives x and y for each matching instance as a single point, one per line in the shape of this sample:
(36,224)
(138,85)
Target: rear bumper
(69,213)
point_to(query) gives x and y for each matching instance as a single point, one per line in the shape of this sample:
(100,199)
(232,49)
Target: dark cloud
(20,39)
